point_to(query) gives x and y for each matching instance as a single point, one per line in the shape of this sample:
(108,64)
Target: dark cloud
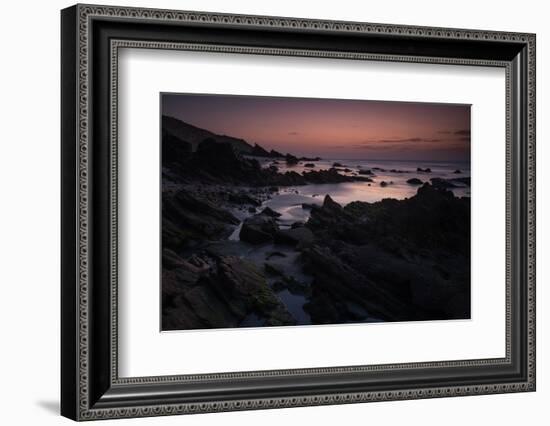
(465,132)
(400,141)
(293,133)
(462,132)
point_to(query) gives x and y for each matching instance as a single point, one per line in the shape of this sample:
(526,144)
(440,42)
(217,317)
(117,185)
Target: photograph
(285,211)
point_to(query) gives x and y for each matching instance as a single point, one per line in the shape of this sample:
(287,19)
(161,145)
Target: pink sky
(332,128)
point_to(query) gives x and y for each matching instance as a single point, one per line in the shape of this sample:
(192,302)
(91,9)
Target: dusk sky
(332,128)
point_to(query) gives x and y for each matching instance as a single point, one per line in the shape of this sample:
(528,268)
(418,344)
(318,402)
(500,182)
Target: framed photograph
(263,212)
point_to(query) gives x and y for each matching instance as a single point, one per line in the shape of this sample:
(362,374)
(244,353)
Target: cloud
(465,132)
(461,132)
(293,133)
(400,141)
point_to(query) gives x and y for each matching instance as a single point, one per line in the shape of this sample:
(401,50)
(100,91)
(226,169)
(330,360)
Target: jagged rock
(291,160)
(365,172)
(219,297)
(391,260)
(463,180)
(442,183)
(302,237)
(273,254)
(267,211)
(258,229)
(187,217)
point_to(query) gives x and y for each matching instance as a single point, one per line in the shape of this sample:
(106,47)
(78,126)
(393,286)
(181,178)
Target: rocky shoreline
(392,260)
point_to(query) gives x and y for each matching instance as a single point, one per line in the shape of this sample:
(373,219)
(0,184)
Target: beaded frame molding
(91,39)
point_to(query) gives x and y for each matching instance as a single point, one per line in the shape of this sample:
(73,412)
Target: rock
(365,172)
(309,206)
(392,260)
(298,224)
(221,297)
(258,151)
(252,210)
(258,229)
(302,237)
(267,211)
(442,183)
(188,218)
(426,170)
(330,204)
(291,160)
(242,197)
(309,165)
(457,171)
(384,184)
(463,180)
(273,254)
(414,181)
(337,165)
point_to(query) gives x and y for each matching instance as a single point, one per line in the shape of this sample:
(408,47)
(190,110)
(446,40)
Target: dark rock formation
(393,260)
(442,183)
(309,165)
(300,236)
(188,218)
(457,171)
(267,211)
(291,160)
(414,181)
(463,180)
(207,292)
(258,229)
(426,170)
(365,172)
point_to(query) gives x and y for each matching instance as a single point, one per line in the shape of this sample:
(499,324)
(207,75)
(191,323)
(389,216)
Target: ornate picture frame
(91,37)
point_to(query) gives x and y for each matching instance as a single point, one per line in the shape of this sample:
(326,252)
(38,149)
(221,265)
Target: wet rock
(188,218)
(426,170)
(298,224)
(463,180)
(273,254)
(384,184)
(457,171)
(252,210)
(391,260)
(414,181)
(291,160)
(330,204)
(442,183)
(258,229)
(365,172)
(267,211)
(311,165)
(220,297)
(301,237)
